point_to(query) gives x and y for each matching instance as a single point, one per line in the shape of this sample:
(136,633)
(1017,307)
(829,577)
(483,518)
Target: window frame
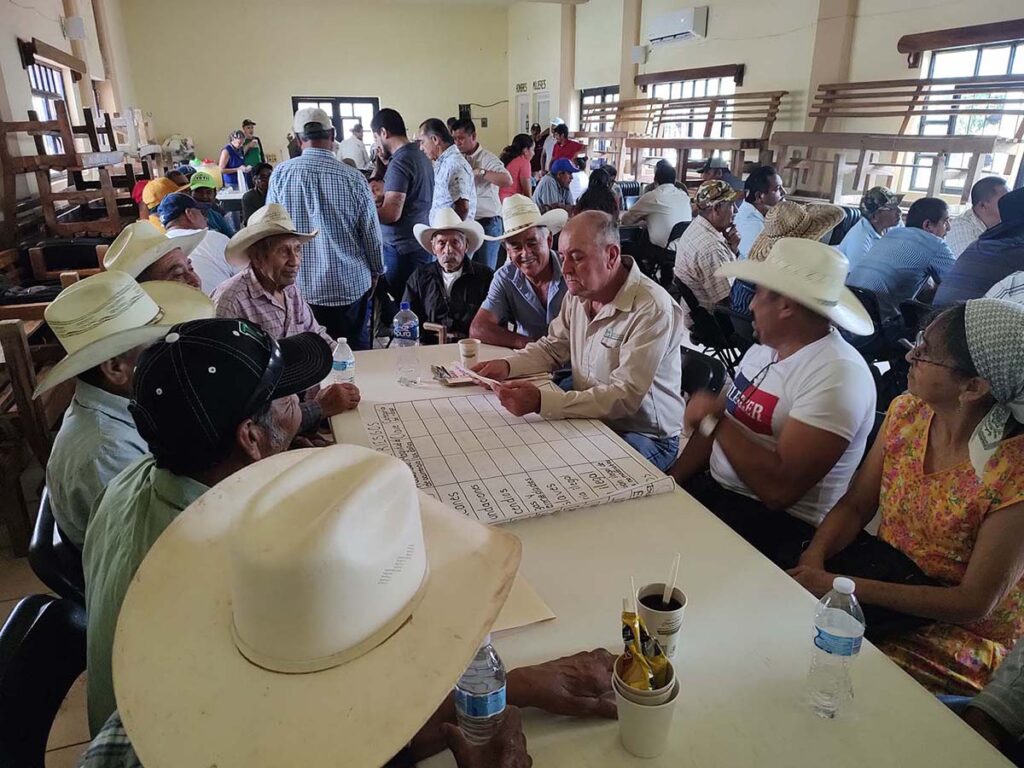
(47,85)
(337,119)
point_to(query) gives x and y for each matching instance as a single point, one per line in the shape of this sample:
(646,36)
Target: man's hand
(493,369)
(732,239)
(702,404)
(579,685)
(506,749)
(518,397)
(336,398)
(817,581)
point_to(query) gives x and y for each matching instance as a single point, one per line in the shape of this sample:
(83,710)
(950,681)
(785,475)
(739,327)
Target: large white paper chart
(494,467)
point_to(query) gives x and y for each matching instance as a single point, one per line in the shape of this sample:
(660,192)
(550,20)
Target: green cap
(202,180)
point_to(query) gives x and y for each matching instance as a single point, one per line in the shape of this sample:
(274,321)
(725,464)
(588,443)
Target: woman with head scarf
(946,474)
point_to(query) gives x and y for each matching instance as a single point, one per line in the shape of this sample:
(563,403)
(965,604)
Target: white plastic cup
(647,698)
(643,730)
(469,351)
(664,626)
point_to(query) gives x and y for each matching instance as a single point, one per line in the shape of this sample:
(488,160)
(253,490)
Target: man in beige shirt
(622,333)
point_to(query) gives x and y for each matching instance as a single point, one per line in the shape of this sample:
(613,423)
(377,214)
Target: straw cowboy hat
(270,220)
(519,213)
(789,219)
(811,273)
(108,313)
(311,608)
(140,245)
(447,219)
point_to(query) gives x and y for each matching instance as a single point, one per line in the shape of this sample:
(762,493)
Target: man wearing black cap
(182,216)
(210,397)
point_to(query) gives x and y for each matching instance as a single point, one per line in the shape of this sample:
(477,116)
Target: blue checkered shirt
(453,180)
(111,748)
(322,193)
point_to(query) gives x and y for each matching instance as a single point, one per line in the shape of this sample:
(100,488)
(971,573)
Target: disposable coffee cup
(662,624)
(643,730)
(469,351)
(646,698)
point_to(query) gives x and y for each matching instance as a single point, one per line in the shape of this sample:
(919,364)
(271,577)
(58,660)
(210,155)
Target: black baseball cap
(196,384)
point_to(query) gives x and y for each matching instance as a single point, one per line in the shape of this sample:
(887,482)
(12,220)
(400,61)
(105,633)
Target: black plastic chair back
(55,560)
(42,653)
(915,314)
(701,372)
(677,231)
(851,215)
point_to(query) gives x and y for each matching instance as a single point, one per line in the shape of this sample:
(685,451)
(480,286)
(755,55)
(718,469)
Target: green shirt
(254,155)
(128,518)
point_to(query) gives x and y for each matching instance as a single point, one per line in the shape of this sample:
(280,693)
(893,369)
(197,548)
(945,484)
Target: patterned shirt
(244,298)
(453,180)
(964,230)
(321,193)
(699,253)
(1010,288)
(111,748)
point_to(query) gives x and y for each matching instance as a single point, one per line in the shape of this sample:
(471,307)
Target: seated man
(97,438)
(449,290)
(997,253)
(709,242)
(662,208)
(981,216)
(181,217)
(269,253)
(773,453)
(204,192)
(210,397)
(763,191)
(552,192)
(146,254)
(621,331)
(152,193)
(716,169)
(879,211)
(898,265)
(528,289)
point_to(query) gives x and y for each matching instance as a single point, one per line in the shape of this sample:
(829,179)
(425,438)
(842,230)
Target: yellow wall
(534,34)
(598,35)
(255,55)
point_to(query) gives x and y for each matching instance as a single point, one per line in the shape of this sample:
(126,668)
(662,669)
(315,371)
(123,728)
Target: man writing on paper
(621,332)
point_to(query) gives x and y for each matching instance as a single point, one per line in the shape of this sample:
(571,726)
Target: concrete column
(833,42)
(632,10)
(568,103)
(110,88)
(86,97)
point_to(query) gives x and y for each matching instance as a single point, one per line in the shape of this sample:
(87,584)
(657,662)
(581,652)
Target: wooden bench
(652,124)
(968,103)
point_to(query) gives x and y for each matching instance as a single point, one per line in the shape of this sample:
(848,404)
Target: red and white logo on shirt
(750,406)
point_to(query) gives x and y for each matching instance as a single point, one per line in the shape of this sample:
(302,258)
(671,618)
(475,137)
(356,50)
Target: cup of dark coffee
(663,621)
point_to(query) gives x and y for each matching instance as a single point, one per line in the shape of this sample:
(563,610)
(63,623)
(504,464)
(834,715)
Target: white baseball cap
(557,121)
(311,115)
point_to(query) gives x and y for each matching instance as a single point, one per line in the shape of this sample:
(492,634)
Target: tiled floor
(70,732)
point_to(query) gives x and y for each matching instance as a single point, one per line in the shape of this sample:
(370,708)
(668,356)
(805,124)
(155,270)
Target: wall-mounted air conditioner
(684,24)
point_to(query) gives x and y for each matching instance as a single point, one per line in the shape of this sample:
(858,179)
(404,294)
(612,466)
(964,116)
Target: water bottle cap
(843,585)
(342,340)
(404,305)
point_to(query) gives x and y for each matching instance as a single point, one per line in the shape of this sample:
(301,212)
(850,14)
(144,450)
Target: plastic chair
(851,215)
(701,372)
(42,653)
(55,560)
(914,314)
(706,330)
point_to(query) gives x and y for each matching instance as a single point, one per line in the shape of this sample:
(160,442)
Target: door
(523,113)
(542,108)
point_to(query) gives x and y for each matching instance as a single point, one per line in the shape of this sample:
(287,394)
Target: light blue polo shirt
(511,298)
(858,241)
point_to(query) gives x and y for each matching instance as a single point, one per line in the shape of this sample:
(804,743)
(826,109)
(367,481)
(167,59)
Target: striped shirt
(453,180)
(1010,288)
(964,230)
(700,251)
(321,193)
(898,265)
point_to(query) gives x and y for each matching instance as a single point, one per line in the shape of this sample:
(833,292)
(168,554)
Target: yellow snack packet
(635,671)
(654,656)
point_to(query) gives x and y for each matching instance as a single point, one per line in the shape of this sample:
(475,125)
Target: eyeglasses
(917,354)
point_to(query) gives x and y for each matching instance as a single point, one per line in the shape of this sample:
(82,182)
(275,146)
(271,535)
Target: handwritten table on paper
(478,458)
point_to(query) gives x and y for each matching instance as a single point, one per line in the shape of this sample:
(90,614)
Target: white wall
(534,34)
(598,40)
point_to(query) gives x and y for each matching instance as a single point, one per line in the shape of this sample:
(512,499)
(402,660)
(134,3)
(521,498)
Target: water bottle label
(343,365)
(836,644)
(409,331)
(480,704)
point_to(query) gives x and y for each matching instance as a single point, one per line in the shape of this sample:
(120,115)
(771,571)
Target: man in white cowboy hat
(209,397)
(275,615)
(449,290)
(776,450)
(269,253)
(621,332)
(103,322)
(146,254)
(528,289)
(181,216)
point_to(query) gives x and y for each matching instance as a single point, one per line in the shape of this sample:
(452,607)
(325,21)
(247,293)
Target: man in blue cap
(553,190)
(182,216)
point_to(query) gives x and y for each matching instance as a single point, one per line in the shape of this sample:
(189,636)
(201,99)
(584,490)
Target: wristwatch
(480,171)
(708,425)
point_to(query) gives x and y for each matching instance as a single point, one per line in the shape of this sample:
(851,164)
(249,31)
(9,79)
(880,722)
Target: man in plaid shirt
(341,266)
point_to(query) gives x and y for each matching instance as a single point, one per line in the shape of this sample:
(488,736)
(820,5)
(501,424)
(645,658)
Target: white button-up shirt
(662,208)
(626,363)
(749,223)
(964,230)
(355,150)
(487,202)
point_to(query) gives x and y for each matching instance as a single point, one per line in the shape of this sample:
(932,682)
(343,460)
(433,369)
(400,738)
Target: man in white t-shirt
(182,216)
(774,452)
(354,149)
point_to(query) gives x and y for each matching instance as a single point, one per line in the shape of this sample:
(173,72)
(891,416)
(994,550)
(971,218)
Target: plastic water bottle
(343,369)
(838,631)
(480,695)
(406,332)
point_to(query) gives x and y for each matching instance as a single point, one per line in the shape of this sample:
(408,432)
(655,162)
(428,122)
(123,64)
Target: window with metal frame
(345,112)
(47,87)
(609,94)
(689,89)
(994,59)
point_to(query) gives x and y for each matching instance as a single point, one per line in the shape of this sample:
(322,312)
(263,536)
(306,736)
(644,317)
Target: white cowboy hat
(108,313)
(447,219)
(141,245)
(811,273)
(519,213)
(323,561)
(270,220)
